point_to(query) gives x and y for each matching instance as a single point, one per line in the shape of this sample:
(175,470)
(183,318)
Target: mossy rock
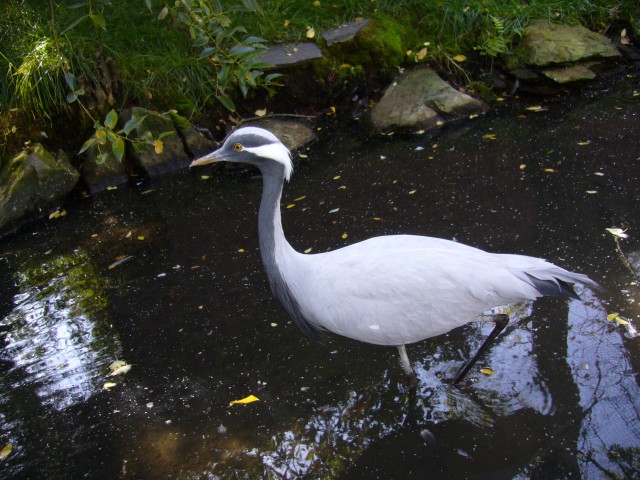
(32,181)
(380,46)
(545,44)
(195,143)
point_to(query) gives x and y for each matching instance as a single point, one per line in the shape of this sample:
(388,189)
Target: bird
(391,290)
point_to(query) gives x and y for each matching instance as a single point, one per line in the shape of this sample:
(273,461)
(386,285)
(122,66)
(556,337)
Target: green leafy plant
(106,132)
(235,60)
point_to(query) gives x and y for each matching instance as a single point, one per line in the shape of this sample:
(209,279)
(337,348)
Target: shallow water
(189,309)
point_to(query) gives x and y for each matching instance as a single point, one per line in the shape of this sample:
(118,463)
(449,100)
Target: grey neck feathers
(272,243)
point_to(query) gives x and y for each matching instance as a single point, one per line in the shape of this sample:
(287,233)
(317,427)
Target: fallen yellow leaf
(308,250)
(489,136)
(310,32)
(291,205)
(486,371)
(141,237)
(261,113)
(299,198)
(460,58)
(584,143)
(245,400)
(204,177)
(344,235)
(550,170)
(158,146)
(421,54)
(109,385)
(5,452)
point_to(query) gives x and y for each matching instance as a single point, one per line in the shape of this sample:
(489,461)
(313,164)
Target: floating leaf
(119,367)
(308,250)
(344,235)
(141,237)
(109,385)
(337,177)
(535,108)
(412,192)
(550,170)
(591,192)
(489,136)
(241,250)
(112,188)
(299,198)
(302,155)
(584,143)
(617,232)
(55,214)
(129,234)
(261,113)
(245,400)
(291,205)
(5,452)
(204,177)
(335,210)
(486,371)
(523,166)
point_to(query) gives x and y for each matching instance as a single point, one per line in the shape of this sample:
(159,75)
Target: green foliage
(235,60)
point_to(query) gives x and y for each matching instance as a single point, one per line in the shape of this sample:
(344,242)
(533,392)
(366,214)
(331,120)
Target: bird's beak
(212,157)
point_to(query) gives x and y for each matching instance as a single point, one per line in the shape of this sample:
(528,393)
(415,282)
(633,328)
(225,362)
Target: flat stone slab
(290,54)
(569,74)
(344,33)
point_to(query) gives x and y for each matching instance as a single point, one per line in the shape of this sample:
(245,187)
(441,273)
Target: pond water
(166,276)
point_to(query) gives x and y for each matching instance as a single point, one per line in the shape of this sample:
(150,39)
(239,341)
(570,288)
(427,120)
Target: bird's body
(388,290)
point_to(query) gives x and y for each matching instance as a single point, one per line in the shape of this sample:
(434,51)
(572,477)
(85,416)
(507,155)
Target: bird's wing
(401,289)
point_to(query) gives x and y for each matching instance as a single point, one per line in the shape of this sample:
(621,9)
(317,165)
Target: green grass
(157,66)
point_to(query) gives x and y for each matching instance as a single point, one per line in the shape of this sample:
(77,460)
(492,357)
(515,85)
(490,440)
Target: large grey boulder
(550,51)
(421,99)
(32,181)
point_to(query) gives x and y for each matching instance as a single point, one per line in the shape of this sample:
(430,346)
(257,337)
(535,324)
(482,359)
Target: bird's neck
(274,248)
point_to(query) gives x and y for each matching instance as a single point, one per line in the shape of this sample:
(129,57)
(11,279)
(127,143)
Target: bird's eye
(237,147)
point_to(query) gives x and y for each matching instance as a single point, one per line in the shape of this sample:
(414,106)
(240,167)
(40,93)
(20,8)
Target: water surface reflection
(190,310)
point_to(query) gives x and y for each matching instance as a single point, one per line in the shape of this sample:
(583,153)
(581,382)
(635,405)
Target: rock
(377,46)
(545,44)
(290,54)
(33,180)
(293,134)
(195,143)
(550,55)
(173,155)
(420,98)
(345,32)
(100,172)
(571,73)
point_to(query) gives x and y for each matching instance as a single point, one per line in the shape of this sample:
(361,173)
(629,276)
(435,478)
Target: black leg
(501,320)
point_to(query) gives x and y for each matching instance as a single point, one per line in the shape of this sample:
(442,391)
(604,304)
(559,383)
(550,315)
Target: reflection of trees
(57,348)
(610,420)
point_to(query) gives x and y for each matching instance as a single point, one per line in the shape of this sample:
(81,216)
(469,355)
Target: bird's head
(252,145)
